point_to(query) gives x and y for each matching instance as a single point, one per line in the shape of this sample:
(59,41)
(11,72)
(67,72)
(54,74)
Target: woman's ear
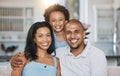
(34,40)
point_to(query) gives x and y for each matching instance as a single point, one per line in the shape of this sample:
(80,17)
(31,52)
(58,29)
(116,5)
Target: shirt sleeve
(98,64)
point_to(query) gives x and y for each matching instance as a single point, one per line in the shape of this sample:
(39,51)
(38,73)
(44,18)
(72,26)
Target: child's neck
(60,36)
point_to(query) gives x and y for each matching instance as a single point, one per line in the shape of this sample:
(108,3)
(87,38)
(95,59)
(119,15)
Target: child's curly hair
(53,8)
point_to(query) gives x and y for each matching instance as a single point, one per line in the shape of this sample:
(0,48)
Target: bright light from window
(49,2)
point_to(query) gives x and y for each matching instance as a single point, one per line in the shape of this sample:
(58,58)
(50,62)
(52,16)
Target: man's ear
(84,34)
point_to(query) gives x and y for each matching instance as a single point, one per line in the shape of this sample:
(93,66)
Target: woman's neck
(42,53)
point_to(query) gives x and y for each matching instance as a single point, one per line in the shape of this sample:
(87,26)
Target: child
(57,15)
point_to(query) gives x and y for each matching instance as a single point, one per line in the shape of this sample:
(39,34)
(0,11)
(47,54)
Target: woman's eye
(48,35)
(39,35)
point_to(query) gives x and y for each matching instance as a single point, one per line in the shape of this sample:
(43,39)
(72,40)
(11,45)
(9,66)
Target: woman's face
(43,38)
(57,21)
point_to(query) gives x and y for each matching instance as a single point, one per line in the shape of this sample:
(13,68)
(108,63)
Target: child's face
(43,38)
(57,21)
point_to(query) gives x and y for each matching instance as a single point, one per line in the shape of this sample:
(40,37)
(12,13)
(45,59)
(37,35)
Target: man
(80,59)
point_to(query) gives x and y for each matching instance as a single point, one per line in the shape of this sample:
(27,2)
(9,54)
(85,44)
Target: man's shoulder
(95,50)
(61,50)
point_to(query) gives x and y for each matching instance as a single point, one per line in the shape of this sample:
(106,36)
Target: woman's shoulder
(56,60)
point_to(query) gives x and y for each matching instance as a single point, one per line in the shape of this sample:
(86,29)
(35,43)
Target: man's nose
(72,35)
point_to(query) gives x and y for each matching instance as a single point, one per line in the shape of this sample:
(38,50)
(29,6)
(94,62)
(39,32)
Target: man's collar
(83,54)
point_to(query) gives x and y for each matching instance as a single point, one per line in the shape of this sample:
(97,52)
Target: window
(14,19)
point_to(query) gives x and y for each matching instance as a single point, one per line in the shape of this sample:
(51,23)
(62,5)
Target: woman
(57,15)
(38,49)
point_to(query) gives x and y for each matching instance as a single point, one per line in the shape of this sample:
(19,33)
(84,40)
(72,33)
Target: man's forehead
(74,25)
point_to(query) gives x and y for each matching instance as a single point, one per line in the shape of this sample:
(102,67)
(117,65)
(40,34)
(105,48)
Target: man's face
(74,34)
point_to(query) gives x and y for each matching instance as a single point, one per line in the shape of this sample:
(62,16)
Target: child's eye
(61,19)
(53,20)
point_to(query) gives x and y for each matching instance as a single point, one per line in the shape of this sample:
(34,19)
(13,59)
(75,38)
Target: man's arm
(17,63)
(58,68)
(17,72)
(17,60)
(98,65)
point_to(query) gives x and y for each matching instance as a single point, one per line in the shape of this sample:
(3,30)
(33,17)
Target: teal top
(38,69)
(59,44)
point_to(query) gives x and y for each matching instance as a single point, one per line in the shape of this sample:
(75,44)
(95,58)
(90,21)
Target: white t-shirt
(91,62)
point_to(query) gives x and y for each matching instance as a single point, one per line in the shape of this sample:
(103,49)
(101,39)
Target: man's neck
(78,51)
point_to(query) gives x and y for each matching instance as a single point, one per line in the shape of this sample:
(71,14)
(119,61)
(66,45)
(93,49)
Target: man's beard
(75,47)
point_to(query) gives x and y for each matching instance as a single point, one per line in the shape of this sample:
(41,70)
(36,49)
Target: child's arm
(58,68)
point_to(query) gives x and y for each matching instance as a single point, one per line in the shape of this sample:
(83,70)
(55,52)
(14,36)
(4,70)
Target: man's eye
(67,32)
(77,31)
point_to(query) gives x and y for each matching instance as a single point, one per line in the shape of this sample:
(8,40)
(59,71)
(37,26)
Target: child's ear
(66,21)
